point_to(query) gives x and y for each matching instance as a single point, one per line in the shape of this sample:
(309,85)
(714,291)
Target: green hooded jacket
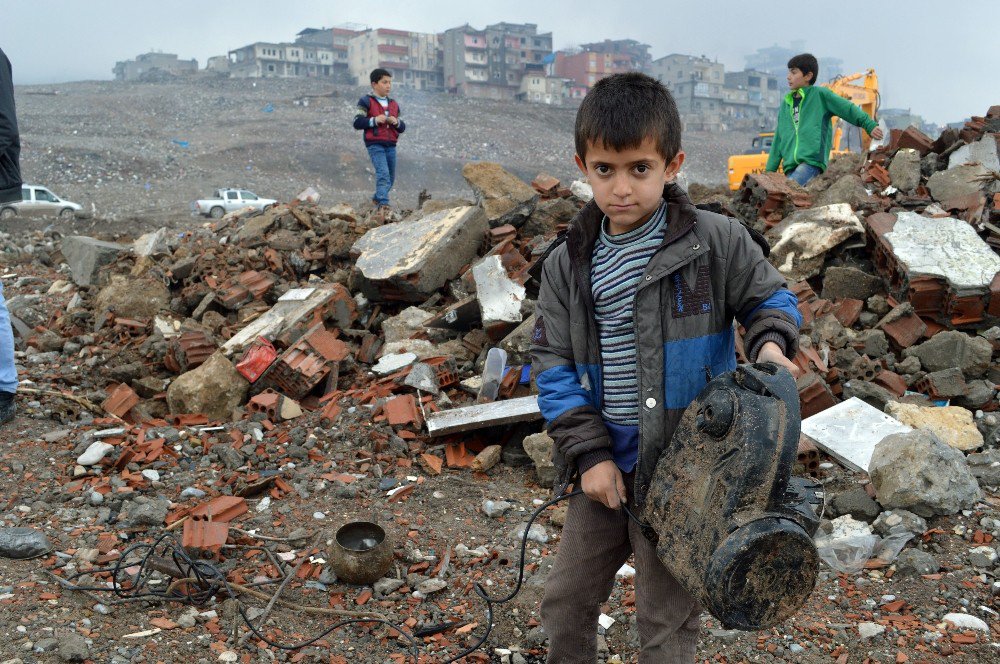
(809,141)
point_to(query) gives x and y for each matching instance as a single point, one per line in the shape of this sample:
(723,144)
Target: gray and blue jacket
(707,273)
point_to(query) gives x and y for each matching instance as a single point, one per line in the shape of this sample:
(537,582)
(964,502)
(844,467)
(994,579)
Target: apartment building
(696,83)
(281,60)
(490,63)
(143,65)
(413,58)
(751,99)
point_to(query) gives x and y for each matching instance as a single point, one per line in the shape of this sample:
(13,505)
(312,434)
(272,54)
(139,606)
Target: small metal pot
(361,553)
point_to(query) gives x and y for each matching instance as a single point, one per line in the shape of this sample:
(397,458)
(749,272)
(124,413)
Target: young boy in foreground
(634,316)
(804,134)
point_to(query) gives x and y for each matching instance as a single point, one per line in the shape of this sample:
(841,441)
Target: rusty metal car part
(732,525)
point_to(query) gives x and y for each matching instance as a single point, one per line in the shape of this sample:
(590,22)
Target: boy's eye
(642,169)
(602,169)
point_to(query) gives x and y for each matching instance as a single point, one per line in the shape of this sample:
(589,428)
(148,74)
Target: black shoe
(8,408)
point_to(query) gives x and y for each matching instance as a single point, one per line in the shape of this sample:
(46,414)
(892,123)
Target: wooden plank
(482,415)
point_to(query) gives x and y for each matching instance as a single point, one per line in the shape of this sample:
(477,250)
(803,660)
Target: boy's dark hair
(622,110)
(377,74)
(807,64)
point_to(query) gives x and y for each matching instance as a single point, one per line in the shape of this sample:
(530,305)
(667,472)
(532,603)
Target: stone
(422,377)
(499,296)
(538,446)
(504,197)
(908,365)
(955,182)
(952,348)
(849,282)
(899,521)
(914,562)
(536,533)
(977,394)
(951,424)
(801,240)
(23,543)
(129,297)
(386,585)
(547,216)
(984,151)
(876,344)
(255,227)
(966,621)
(874,395)
(86,256)
(393,362)
(582,190)
(905,170)
(148,387)
(496,508)
(151,474)
(152,244)
(73,647)
(230,457)
(857,503)
(847,189)
(409,260)
(947,383)
(94,453)
(517,344)
(917,472)
(215,388)
(405,324)
(868,630)
(983,557)
(431,586)
(985,467)
(147,513)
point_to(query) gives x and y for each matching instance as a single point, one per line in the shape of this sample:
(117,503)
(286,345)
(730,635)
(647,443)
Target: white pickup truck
(227,200)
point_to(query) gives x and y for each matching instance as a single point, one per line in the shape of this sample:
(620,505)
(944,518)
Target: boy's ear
(674,167)
(579,164)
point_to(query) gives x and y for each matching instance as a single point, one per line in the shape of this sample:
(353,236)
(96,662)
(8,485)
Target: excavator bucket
(731,524)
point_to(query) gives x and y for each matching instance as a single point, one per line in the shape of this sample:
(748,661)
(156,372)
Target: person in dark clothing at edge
(10,190)
(804,134)
(379,118)
(635,314)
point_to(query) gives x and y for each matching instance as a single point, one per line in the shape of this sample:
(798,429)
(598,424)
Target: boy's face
(628,184)
(796,79)
(382,86)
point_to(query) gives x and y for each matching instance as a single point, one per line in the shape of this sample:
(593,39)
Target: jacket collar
(586,225)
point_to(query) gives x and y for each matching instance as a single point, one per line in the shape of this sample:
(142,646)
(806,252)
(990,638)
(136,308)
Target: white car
(227,200)
(38,201)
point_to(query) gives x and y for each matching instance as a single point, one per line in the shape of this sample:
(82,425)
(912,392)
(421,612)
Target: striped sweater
(617,265)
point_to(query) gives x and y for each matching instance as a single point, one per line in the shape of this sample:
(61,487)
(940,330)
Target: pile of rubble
(271,355)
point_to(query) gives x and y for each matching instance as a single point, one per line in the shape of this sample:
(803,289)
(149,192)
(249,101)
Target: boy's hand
(603,483)
(380,119)
(393,121)
(877,133)
(771,352)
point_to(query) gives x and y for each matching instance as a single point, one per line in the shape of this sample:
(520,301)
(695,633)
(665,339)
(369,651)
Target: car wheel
(266,208)
(66,214)
(8,213)
(216,212)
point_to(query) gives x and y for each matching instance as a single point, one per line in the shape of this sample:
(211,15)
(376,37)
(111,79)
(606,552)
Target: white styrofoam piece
(850,431)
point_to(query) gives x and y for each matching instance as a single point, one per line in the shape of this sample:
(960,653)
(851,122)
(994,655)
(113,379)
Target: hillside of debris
(142,152)
(203,412)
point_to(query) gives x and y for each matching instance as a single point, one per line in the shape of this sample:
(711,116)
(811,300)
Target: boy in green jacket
(802,140)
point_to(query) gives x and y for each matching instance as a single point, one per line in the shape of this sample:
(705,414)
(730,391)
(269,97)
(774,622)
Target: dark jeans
(384,160)
(595,542)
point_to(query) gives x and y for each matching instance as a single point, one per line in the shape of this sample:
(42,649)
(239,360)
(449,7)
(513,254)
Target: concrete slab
(850,431)
(480,416)
(948,248)
(410,260)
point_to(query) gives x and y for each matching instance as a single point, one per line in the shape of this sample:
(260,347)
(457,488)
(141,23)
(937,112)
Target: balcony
(393,50)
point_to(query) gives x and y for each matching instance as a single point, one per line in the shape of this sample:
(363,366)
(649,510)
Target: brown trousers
(596,542)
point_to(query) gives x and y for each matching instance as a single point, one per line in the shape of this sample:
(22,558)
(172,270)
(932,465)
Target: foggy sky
(938,59)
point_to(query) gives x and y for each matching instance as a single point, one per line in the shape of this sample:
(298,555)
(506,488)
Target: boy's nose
(622,187)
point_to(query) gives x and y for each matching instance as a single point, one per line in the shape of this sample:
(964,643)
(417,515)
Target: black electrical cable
(210,581)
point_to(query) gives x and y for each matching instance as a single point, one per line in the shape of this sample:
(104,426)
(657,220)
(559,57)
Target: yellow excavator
(861,88)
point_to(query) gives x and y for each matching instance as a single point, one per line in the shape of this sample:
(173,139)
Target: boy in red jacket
(378,117)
